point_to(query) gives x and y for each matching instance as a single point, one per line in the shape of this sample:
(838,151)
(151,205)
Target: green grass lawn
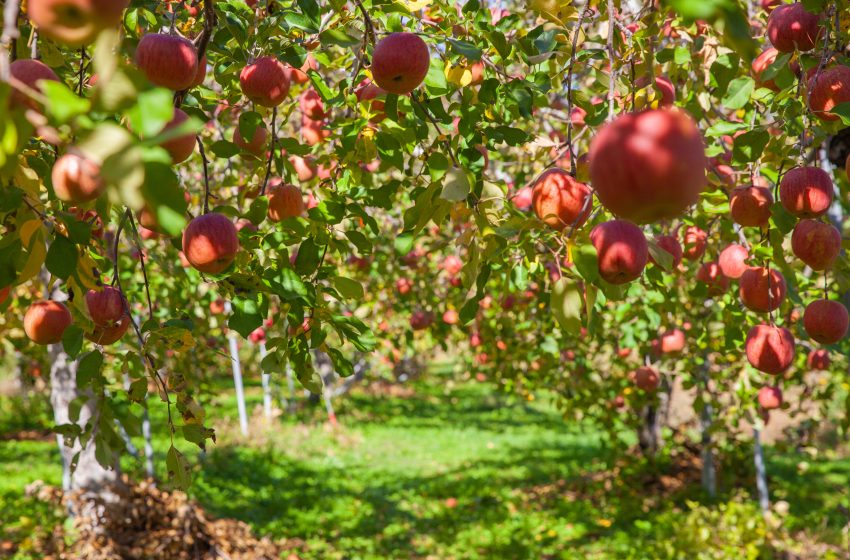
(458,472)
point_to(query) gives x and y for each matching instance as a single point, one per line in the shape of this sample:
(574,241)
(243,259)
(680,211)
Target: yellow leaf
(416,5)
(458,75)
(27,179)
(32,238)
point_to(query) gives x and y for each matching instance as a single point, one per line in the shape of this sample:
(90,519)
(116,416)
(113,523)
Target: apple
(806,192)
(750,206)
(210,243)
(45,321)
(313,132)
(523,198)
(791,27)
(667,90)
(816,243)
(648,166)
(770,398)
(760,64)
(400,62)
(106,306)
(818,359)
(200,73)
(559,200)
(695,241)
(829,88)
(110,334)
(770,348)
(76,179)
(217,306)
(451,317)
(670,244)
(311,104)
(709,273)
(257,145)
(733,261)
(258,335)
(621,249)
(305,167)
(30,72)
(4,294)
(761,289)
(74,23)
(299,75)
(452,264)
(421,320)
(369,91)
(182,147)
(646,378)
(285,201)
(265,81)
(671,342)
(403,285)
(826,321)
(169,61)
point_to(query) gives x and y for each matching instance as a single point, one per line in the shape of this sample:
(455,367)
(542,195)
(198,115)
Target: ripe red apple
(45,321)
(210,243)
(709,273)
(4,294)
(76,179)
(257,145)
(305,167)
(421,320)
(217,306)
(30,72)
(670,244)
(826,321)
(400,62)
(695,241)
(109,334)
(790,27)
(646,378)
(829,88)
(258,335)
(403,286)
(311,104)
(648,166)
(760,64)
(106,306)
(182,147)
(369,91)
(265,81)
(621,249)
(451,317)
(523,198)
(90,217)
(169,61)
(668,92)
(770,397)
(733,261)
(313,132)
(816,243)
(818,359)
(74,22)
(559,200)
(750,206)
(806,192)
(285,201)
(770,349)
(761,290)
(200,73)
(671,342)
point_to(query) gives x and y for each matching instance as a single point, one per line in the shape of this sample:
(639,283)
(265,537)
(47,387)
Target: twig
(82,71)
(142,262)
(10,33)
(271,152)
(612,80)
(570,93)
(117,241)
(201,41)
(436,126)
(206,174)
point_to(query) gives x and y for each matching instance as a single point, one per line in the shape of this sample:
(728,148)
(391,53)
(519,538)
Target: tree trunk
(650,438)
(89,475)
(761,473)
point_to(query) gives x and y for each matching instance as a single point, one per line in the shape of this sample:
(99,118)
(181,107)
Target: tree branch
(271,152)
(10,32)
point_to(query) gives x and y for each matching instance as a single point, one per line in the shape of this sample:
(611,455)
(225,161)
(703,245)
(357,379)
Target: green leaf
(465,48)
(179,472)
(403,243)
(153,110)
(587,262)
(61,259)
(308,257)
(749,146)
(338,37)
(349,288)
(739,92)
(661,257)
(89,368)
(62,103)
(455,185)
(72,340)
(245,316)
(224,149)
(566,304)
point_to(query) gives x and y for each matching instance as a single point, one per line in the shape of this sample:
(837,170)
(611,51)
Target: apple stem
(271,151)
(11,10)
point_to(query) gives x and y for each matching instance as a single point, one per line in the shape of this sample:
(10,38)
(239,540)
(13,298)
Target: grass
(457,472)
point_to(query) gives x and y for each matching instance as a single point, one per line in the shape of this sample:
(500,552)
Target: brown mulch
(28,435)
(144,522)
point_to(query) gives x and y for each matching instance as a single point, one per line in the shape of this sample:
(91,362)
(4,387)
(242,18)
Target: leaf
(739,92)
(749,146)
(465,48)
(566,304)
(455,185)
(308,257)
(61,260)
(660,256)
(179,472)
(348,288)
(587,262)
(88,368)
(62,103)
(245,316)
(153,110)
(72,340)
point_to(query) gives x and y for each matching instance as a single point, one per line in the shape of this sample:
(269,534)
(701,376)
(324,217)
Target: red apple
(169,61)
(818,359)
(403,286)
(451,317)
(200,73)
(816,243)
(668,92)
(45,322)
(368,91)
(257,145)
(305,167)
(210,243)
(761,290)
(750,206)
(733,261)
(770,349)
(421,320)
(452,264)
(285,201)
(265,81)
(76,179)
(560,201)
(829,88)
(671,342)
(30,72)
(790,27)
(826,321)
(311,104)
(646,378)
(806,192)
(313,132)
(400,62)
(670,244)
(74,23)
(760,64)
(523,198)
(621,249)
(648,166)
(709,273)
(106,306)
(770,398)
(109,334)
(695,242)
(182,147)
